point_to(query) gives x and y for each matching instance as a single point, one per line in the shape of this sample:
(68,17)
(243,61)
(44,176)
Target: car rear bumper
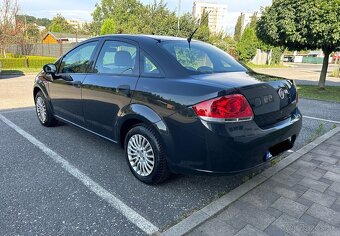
(231,148)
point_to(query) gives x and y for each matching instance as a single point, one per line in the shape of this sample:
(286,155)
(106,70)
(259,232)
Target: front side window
(117,58)
(78,60)
(201,58)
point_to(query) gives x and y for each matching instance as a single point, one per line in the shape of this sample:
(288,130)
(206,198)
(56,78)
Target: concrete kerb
(202,215)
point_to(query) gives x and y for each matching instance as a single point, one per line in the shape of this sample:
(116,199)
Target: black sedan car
(175,106)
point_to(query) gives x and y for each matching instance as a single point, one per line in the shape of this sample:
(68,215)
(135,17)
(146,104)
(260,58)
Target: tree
(59,24)
(224,42)
(302,24)
(203,31)
(127,14)
(131,16)
(10,27)
(238,29)
(248,44)
(108,27)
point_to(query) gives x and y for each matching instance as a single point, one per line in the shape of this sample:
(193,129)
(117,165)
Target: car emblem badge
(282,92)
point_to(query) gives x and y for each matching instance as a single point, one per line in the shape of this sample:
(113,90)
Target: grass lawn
(332,93)
(20,71)
(253,66)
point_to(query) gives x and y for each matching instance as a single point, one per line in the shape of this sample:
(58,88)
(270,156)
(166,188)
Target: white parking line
(125,210)
(315,118)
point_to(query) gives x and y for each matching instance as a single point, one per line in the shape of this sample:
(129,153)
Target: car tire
(145,155)
(44,111)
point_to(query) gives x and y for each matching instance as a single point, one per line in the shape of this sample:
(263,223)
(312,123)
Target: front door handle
(125,89)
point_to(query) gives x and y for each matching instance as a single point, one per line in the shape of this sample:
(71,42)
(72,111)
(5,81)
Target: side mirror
(50,69)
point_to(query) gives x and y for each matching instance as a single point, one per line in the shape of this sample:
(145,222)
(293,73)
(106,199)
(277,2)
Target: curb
(202,215)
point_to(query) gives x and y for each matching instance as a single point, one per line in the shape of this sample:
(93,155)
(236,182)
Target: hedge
(26,62)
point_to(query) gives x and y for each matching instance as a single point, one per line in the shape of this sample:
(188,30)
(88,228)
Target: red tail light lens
(227,108)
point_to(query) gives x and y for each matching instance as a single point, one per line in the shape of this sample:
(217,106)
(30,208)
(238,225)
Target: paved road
(39,195)
(16,91)
(307,74)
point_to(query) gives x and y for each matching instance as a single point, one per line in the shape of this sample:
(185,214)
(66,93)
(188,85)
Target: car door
(65,89)
(108,88)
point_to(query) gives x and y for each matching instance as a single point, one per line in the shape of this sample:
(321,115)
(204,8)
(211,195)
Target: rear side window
(78,60)
(117,57)
(149,66)
(201,58)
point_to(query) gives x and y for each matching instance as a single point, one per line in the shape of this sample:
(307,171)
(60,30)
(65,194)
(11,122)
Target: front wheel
(44,111)
(145,155)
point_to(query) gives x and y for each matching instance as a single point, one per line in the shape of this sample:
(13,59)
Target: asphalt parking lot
(63,180)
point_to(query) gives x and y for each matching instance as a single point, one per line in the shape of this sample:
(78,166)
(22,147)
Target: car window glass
(201,58)
(193,59)
(149,67)
(77,60)
(117,58)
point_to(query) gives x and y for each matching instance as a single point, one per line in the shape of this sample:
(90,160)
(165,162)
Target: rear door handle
(125,89)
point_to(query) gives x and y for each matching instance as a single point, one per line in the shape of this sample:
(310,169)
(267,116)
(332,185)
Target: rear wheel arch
(139,114)
(126,126)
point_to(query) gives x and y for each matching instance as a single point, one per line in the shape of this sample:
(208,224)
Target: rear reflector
(230,108)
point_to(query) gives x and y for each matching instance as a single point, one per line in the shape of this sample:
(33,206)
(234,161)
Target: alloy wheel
(41,109)
(141,155)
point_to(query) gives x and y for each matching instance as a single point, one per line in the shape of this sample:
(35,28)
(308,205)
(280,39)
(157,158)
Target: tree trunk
(322,80)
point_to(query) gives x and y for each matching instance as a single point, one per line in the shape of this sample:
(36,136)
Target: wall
(49,50)
(261,58)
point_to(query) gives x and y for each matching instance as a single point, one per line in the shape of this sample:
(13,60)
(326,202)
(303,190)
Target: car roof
(142,37)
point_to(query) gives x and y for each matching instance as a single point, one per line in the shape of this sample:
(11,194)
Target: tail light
(230,108)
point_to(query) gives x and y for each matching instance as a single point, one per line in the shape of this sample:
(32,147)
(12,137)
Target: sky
(82,9)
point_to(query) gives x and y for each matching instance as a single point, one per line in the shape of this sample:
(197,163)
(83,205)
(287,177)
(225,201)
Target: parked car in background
(175,106)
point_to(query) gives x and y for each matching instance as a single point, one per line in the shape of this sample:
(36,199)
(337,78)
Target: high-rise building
(217,15)
(246,19)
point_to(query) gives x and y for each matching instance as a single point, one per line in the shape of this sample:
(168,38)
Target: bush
(247,46)
(276,56)
(39,62)
(26,62)
(336,73)
(11,63)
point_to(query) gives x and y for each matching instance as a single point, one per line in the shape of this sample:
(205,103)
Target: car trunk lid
(271,98)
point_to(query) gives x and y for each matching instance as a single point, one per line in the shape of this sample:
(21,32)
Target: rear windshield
(202,58)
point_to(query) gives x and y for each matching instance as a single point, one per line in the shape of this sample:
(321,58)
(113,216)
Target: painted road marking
(315,118)
(125,210)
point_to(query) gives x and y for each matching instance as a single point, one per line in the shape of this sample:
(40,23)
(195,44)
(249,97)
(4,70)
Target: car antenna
(192,34)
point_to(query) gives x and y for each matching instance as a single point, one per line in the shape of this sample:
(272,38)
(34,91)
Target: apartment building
(217,19)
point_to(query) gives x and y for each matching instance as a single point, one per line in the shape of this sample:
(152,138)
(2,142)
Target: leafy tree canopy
(59,24)
(132,17)
(108,27)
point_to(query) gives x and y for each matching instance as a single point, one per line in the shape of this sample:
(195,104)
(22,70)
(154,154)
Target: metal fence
(48,50)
